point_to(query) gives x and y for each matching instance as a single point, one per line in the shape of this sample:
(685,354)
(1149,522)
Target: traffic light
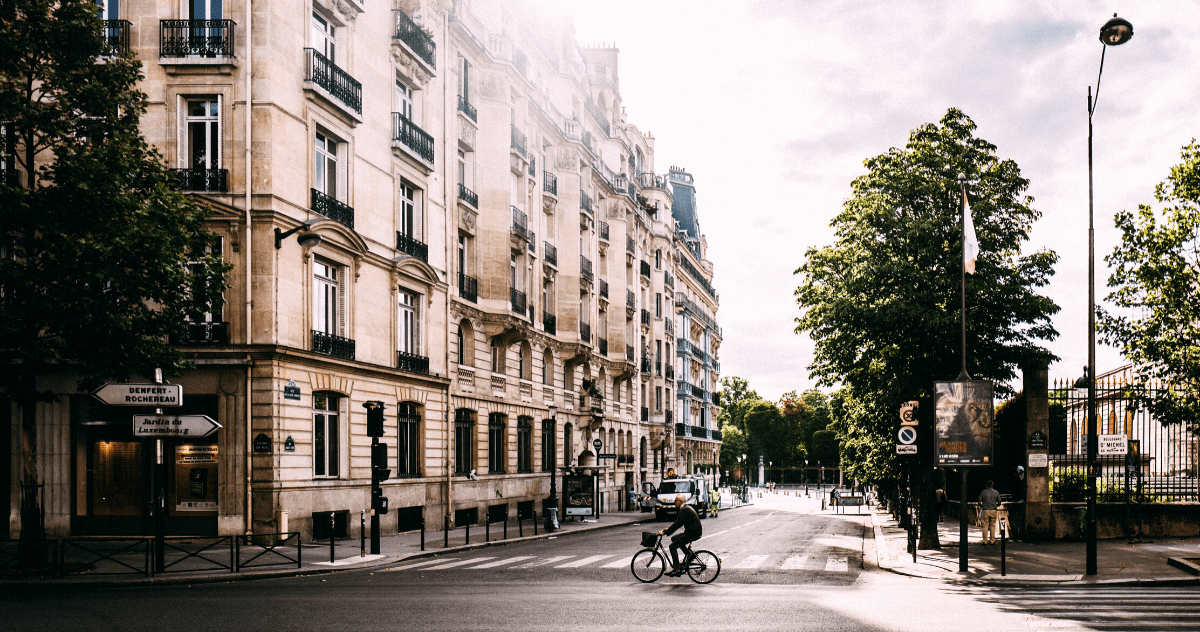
(374,418)
(379,502)
(379,462)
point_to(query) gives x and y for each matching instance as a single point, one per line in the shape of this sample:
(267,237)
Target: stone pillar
(1038,520)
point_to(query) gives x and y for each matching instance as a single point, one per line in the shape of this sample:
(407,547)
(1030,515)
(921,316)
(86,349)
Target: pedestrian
(633,498)
(989,505)
(942,503)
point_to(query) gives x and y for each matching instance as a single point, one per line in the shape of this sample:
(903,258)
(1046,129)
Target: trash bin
(1082,511)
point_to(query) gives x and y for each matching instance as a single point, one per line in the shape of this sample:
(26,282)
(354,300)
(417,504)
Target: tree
(825,449)
(773,436)
(882,303)
(733,446)
(103,260)
(1156,272)
(736,398)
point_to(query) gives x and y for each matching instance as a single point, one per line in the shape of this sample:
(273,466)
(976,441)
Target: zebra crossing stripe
(752,562)
(548,560)
(502,562)
(795,562)
(586,560)
(619,563)
(837,565)
(458,563)
(424,563)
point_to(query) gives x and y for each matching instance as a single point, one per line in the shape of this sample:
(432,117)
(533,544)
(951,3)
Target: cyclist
(692,530)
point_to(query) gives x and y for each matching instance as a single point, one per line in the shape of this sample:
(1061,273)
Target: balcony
(209,180)
(603,347)
(681,430)
(629,244)
(668,280)
(697,391)
(668,418)
(202,39)
(532,243)
(716,435)
(337,211)
(550,253)
(645,414)
(415,38)
(549,323)
(520,223)
(657,368)
(629,353)
(585,202)
(670,372)
(412,362)
(646,366)
(517,141)
(585,333)
(331,345)
(116,37)
(645,318)
(411,246)
(699,432)
(550,183)
(603,288)
(604,231)
(646,269)
(517,301)
(466,108)
(629,299)
(202,334)
(406,135)
(468,288)
(468,197)
(332,82)
(585,269)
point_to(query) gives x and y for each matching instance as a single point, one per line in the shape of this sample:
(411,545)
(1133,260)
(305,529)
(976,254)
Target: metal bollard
(446,533)
(332,528)
(422,533)
(362,533)
(535,522)
(506,527)
(1002,539)
(467,527)
(487,530)
(520,527)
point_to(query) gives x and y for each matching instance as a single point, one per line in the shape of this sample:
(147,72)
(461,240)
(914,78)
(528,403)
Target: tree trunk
(929,509)
(33,526)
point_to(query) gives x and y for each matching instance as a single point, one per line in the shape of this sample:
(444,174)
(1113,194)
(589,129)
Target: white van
(693,488)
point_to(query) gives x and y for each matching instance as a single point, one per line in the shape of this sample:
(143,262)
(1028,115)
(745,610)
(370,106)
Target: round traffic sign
(596,443)
(907,435)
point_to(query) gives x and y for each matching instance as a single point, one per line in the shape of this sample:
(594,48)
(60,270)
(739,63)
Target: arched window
(465,337)
(658,260)
(408,440)
(612,443)
(526,361)
(497,427)
(569,378)
(464,441)
(524,444)
(549,453)
(326,433)
(548,367)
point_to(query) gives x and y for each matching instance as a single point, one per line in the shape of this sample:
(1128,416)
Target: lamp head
(309,240)
(553,411)
(1116,31)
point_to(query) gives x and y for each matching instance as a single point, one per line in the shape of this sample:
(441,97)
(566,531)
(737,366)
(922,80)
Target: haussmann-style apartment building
(449,214)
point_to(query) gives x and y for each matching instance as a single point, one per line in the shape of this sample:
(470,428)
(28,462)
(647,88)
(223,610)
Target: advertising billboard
(579,495)
(964,423)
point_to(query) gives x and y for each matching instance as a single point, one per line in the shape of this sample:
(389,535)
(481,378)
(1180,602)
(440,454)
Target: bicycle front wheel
(647,565)
(704,567)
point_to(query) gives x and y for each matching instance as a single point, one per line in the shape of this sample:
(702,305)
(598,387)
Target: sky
(773,106)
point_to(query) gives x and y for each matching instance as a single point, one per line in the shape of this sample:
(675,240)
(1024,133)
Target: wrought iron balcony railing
(697,391)
(549,323)
(603,288)
(716,398)
(212,180)
(646,317)
(195,38)
(332,345)
(468,196)
(629,353)
(646,269)
(603,347)
(646,366)
(604,231)
(518,141)
(629,244)
(585,268)
(585,202)
(551,253)
(410,135)
(517,301)
(549,183)
(520,223)
(116,36)
(680,430)
(412,362)
(699,432)
(716,434)
(629,299)
(468,288)
(333,209)
(412,246)
(585,332)
(417,39)
(465,107)
(202,334)
(337,82)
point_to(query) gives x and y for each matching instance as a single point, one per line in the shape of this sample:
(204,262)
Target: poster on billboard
(964,423)
(578,495)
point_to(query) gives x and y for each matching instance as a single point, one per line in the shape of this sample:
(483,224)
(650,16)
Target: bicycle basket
(649,539)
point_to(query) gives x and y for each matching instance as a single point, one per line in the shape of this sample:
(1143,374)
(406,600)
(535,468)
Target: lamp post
(806,478)
(1115,32)
(551,506)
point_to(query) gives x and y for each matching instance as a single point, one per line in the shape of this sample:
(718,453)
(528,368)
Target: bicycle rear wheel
(704,567)
(647,565)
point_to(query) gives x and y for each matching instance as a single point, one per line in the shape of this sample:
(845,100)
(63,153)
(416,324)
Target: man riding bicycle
(692,530)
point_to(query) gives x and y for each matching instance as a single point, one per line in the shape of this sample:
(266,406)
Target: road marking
(586,560)
(619,563)
(458,563)
(502,562)
(837,565)
(548,560)
(753,561)
(425,563)
(795,562)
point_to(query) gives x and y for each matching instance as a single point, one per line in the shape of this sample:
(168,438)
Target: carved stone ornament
(409,66)
(467,219)
(566,160)
(347,9)
(492,87)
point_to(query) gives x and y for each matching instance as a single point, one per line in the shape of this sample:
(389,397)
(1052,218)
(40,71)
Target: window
(496,431)
(408,426)
(548,368)
(403,100)
(658,260)
(460,342)
(495,358)
(324,38)
(462,254)
(327,298)
(464,434)
(199,133)
(525,361)
(524,444)
(567,445)
(464,79)
(409,323)
(330,177)
(214,316)
(197,9)
(549,457)
(409,212)
(111,9)
(658,305)
(658,399)
(325,434)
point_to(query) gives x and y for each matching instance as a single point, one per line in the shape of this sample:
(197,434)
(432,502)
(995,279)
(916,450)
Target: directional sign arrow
(157,395)
(174,425)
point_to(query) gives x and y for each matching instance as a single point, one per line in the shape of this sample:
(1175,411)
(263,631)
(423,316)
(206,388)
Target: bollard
(362,533)
(535,522)
(467,527)
(422,533)
(506,527)
(331,530)
(446,533)
(487,530)
(1002,538)
(520,527)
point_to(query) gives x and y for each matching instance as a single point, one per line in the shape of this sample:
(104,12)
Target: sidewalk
(1043,563)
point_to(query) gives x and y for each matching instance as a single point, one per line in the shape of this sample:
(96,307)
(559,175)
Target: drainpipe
(449,197)
(247,244)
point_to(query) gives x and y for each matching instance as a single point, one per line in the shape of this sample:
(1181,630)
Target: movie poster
(964,423)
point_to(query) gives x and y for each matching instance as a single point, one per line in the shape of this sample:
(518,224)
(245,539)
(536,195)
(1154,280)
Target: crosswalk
(736,563)
(1128,608)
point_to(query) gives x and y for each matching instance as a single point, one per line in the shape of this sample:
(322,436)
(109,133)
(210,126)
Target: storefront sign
(158,395)
(195,478)
(579,495)
(291,391)
(964,423)
(262,444)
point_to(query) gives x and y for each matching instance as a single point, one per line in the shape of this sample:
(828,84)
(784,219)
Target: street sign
(174,425)
(157,395)
(596,443)
(908,413)
(906,449)
(606,455)
(1113,445)
(907,435)
(1039,459)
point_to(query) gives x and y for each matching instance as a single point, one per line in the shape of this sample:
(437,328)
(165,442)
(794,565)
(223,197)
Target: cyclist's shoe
(675,572)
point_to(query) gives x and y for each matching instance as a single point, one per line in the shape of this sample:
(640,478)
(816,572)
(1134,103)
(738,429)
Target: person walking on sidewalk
(989,503)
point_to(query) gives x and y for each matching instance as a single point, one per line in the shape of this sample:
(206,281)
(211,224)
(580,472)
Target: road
(786,566)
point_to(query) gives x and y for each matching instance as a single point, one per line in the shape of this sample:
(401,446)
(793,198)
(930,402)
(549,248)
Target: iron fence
(196,38)
(268,549)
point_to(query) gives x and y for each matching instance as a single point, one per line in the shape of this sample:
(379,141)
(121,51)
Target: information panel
(964,423)
(578,495)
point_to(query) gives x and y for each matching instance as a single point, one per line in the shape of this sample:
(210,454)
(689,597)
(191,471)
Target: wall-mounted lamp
(306,240)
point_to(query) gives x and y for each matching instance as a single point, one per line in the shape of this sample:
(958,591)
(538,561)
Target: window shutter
(343,193)
(416,346)
(342,287)
(181,132)
(419,214)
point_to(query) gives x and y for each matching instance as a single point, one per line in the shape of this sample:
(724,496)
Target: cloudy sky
(773,106)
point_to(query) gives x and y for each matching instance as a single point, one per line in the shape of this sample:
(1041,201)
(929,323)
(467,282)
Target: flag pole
(963,376)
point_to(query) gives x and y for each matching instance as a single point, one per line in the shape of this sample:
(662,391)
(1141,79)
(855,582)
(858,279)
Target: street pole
(374,510)
(962,523)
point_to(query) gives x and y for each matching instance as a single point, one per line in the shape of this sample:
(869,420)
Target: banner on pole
(964,423)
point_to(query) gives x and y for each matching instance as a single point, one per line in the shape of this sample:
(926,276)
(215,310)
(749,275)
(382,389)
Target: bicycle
(649,563)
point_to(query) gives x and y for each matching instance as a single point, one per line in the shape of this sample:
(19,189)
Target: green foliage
(733,445)
(1156,270)
(777,438)
(825,449)
(104,259)
(736,400)
(882,303)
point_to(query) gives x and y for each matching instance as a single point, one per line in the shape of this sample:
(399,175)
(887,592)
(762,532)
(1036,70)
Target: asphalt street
(786,566)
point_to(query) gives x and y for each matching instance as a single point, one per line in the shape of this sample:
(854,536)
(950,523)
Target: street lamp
(1115,32)
(805,478)
(551,507)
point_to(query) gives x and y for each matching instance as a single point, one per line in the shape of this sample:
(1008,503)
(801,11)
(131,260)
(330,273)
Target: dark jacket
(689,520)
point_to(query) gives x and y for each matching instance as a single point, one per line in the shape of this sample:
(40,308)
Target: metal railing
(549,323)
(417,39)
(465,107)
(412,362)
(603,346)
(518,141)
(681,430)
(646,269)
(332,345)
(211,180)
(412,246)
(468,196)
(517,301)
(699,432)
(549,183)
(629,299)
(216,333)
(337,82)
(412,136)
(697,391)
(646,366)
(629,244)
(629,353)
(520,223)
(716,434)
(604,231)
(585,268)
(585,202)
(271,550)
(333,209)
(585,332)
(550,253)
(669,372)
(603,288)
(646,317)
(195,38)
(116,36)
(468,288)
